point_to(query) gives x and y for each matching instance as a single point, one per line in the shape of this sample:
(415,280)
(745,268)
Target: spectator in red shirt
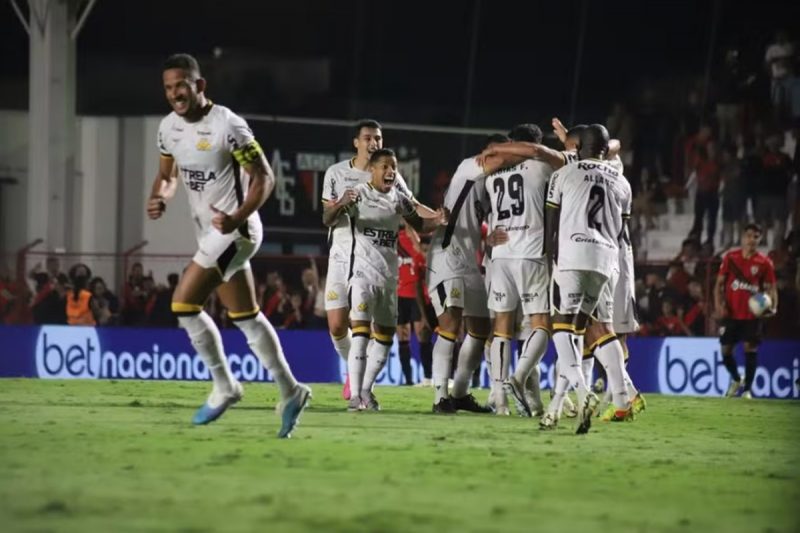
(703,164)
(695,316)
(669,324)
(744,272)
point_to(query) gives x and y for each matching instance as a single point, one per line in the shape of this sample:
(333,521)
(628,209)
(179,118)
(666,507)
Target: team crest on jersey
(203,145)
(363,307)
(455,293)
(331,296)
(753,270)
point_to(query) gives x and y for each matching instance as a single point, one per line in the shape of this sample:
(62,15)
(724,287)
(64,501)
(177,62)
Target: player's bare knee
(504,324)
(403,332)
(481,327)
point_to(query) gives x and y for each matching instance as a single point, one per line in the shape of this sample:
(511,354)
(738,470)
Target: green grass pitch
(122,456)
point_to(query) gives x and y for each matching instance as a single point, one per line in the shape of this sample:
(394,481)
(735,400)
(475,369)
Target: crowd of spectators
(44,297)
(731,144)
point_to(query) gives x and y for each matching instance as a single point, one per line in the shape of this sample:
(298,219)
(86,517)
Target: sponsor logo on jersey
(203,145)
(331,296)
(586,165)
(738,285)
(587,239)
(196,180)
(381,237)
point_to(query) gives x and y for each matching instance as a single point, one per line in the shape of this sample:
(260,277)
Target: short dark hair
(184,62)
(594,141)
(365,123)
(576,130)
(754,227)
(495,138)
(526,132)
(381,152)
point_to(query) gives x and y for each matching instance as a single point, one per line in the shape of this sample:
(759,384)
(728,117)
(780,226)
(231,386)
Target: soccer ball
(759,303)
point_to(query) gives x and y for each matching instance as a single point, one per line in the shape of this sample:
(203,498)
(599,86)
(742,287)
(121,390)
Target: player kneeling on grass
(376,210)
(208,144)
(743,273)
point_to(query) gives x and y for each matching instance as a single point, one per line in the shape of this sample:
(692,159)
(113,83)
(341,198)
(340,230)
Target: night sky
(412,59)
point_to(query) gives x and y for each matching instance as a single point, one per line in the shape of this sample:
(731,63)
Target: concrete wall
(116,162)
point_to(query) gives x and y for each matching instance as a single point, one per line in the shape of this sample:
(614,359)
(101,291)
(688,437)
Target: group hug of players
(558,253)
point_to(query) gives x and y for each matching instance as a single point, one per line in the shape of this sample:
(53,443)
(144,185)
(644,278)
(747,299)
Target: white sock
(611,357)
(587,367)
(264,342)
(632,390)
(569,347)
(533,384)
(442,366)
(469,358)
(501,359)
(357,362)
(560,390)
(206,339)
(377,354)
(532,353)
(342,346)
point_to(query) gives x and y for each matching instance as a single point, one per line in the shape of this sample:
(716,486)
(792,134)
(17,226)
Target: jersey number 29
(515,191)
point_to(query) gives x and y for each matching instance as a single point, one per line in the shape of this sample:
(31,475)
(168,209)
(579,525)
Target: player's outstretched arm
(426,224)
(614,146)
(528,150)
(163,187)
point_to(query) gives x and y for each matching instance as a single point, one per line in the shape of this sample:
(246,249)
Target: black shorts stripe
(442,294)
(237,185)
(352,248)
(556,296)
(451,224)
(224,260)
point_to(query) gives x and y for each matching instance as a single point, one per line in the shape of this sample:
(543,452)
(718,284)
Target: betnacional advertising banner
(673,365)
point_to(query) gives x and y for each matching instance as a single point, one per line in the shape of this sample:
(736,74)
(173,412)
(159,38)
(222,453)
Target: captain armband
(249,153)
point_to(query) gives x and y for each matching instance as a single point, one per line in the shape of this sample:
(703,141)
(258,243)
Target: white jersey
(208,154)
(338,178)
(593,199)
(516,196)
(570,156)
(454,248)
(374,223)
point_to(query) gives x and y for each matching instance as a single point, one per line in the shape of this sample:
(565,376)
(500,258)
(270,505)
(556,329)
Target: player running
(210,145)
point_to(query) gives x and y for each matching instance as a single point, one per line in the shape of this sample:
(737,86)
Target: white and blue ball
(759,303)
